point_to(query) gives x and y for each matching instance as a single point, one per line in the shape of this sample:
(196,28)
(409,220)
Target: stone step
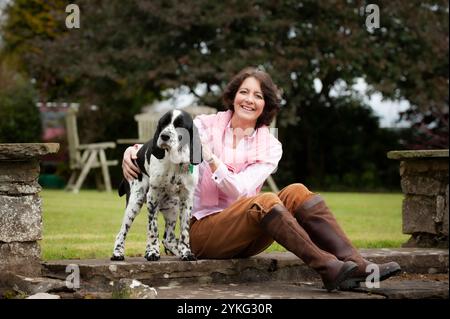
(399,287)
(403,286)
(169,271)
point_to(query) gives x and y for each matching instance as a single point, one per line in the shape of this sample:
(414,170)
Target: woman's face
(249,100)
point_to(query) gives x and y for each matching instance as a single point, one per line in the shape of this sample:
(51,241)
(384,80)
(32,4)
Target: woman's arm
(243,183)
(130,170)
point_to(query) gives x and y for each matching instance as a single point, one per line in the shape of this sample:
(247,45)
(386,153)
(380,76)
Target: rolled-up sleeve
(244,183)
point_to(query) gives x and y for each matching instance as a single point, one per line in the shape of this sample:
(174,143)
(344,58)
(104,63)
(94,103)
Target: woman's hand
(207,154)
(130,170)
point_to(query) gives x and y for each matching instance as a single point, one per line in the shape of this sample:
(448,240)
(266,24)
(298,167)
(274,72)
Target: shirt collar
(250,136)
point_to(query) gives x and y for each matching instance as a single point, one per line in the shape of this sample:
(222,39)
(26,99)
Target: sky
(386,110)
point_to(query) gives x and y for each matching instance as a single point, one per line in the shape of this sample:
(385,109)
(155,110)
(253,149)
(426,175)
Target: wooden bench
(147,123)
(84,157)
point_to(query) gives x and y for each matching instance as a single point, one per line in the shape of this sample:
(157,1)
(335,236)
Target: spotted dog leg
(185,218)
(152,249)
(135,202)
(170,241)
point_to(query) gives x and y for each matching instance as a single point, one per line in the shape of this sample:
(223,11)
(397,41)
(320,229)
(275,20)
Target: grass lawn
(84,225)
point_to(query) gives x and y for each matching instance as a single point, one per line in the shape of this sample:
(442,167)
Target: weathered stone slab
(20,189)
(31,285)
(419,213)
(445,214)
(415,167)
(127,288)
(168,270)
(412,154)
(424,181)
(20,206)
(22,151)
(410,289)
(428,287)
(20,218)
(257,290)
(264,267)
(19,171)
(420,185)
(20,258)
(426,240)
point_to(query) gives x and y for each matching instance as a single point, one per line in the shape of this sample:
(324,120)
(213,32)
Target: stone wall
(424,181)
(20,207)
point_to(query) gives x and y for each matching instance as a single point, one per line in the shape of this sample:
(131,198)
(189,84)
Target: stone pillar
(424,181)
(20,207)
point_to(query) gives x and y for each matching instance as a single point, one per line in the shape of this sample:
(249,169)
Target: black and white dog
(167,183)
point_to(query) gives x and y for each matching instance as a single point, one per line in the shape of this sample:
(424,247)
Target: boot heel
(347,270)
(349,284)
(386,271)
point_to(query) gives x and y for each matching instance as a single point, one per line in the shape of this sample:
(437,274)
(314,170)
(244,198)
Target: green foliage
(127,52)
(27,23)
(135,47)
(412,53)
(121,294)
(20,119)
(9,294)
(341,147)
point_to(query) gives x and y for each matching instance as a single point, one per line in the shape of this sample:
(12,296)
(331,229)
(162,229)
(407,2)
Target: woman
(232,219)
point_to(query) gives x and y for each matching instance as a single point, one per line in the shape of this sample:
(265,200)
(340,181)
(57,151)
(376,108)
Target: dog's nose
(165,137)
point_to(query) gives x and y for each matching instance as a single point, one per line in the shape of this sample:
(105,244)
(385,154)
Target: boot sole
(348,269)
(353,283)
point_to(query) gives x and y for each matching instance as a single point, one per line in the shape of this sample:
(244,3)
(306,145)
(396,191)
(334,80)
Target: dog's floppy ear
(124,188)
(157,151)
(195,147)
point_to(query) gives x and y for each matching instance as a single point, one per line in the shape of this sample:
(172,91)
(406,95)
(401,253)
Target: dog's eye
(183,135)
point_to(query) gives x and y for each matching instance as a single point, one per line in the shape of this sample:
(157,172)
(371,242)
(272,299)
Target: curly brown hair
(270,92)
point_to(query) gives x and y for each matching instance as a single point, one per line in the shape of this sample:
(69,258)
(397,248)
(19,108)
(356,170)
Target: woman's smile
(248,103)
(248,108)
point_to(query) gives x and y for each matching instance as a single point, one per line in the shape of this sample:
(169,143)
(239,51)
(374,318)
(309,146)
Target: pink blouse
(233,185)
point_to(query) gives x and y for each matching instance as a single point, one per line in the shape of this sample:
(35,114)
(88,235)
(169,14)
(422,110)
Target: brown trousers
(235,232)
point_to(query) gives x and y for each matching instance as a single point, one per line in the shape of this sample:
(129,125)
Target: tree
(126,53)
(20,119)
(420,75)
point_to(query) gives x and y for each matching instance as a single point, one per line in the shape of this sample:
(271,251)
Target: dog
(167,183)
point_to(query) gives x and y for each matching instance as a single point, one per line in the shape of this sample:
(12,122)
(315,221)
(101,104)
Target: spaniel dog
(167,182)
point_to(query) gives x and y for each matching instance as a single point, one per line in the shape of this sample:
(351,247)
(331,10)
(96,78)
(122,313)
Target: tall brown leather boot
(318,220)
(285,230)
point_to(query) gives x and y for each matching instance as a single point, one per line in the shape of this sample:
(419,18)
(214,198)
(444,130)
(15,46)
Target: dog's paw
(189,257)
(117,258)
(152,257)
